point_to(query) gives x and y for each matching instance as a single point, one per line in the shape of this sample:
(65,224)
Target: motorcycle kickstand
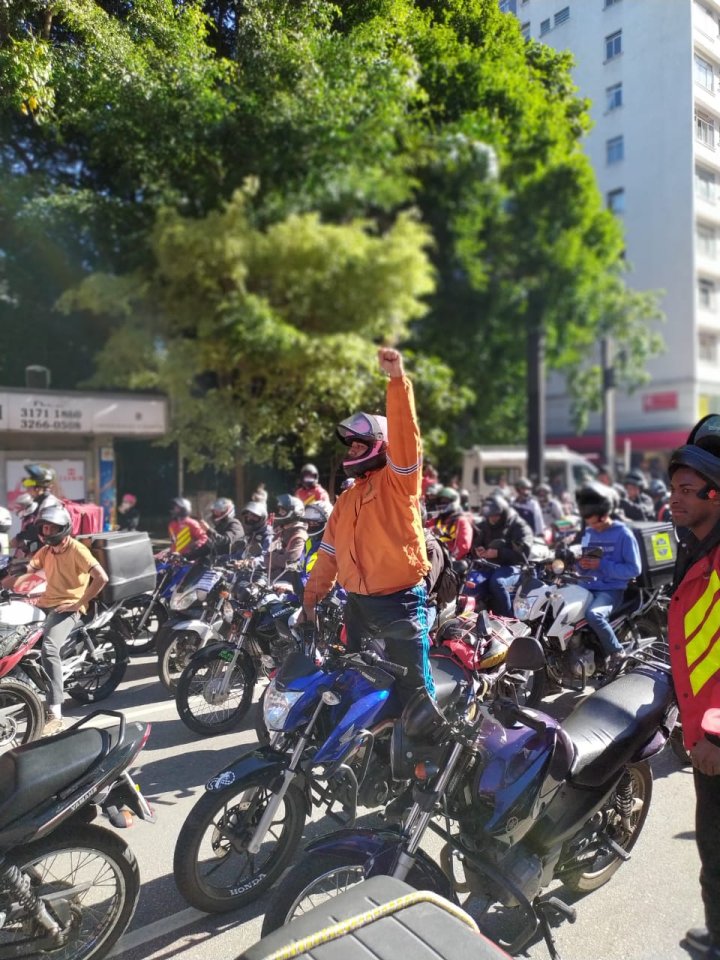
(545,907)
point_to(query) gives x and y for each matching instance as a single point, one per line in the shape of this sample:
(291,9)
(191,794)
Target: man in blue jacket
(610,559)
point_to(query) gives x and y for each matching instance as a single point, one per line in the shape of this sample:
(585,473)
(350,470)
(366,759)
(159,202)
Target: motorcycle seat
(450,679)
(36,772)
(611,725)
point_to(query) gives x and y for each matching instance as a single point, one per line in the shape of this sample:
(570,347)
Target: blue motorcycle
(146,614)
(330,724)
(519,800)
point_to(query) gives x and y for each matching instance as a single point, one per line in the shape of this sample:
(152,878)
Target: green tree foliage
(128,130)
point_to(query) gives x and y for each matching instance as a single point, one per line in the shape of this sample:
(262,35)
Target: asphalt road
(640,915)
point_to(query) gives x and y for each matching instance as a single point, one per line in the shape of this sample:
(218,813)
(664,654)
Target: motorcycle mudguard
(214,650)
(380,848)
(259,767)
(205,631)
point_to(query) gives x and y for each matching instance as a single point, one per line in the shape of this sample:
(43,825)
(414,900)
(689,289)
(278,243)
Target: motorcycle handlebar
(508,713)
(394,669)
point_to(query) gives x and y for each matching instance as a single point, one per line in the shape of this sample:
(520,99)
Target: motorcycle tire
(317,878)
(174,651)
(22,714)
(132,612)
(223,817)
(606,863)
(677,745)
(102,911)
(197,697)
(96,681)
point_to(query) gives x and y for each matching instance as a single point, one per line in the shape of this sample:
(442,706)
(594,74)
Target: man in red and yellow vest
(374,543)
(186,535)
(694,637)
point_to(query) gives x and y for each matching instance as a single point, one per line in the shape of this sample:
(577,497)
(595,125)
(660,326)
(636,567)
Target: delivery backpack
(449,583)
(85,517)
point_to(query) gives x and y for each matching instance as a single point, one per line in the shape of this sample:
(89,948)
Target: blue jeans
(598,617)
(401,621)
(494,589)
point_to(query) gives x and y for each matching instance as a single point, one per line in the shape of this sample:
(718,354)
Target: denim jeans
(494,589)
(598,617)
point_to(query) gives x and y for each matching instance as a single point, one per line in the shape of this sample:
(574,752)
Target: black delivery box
(658,550)
(127,558)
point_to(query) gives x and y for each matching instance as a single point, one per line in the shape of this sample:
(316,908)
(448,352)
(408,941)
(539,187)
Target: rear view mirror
(525,653)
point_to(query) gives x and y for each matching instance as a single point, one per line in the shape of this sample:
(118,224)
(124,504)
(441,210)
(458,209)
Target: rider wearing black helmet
(658,492)
(505,539)
(290,534)
(528,507)
(225,532)
(636,504)
(610,559)
(694,471)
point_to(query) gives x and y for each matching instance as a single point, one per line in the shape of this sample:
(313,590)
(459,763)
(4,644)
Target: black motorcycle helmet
(701,453)
(496,506)
(595,500)
(39,477)
(289,510)
(636,477)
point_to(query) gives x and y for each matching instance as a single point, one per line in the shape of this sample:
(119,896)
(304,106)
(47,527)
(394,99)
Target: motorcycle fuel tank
(569,604)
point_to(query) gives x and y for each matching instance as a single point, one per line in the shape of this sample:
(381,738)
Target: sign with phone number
(57,413)
(51,418)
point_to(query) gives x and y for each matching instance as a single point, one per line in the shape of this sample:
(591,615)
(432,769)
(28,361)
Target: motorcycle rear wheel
(104,872)
(22,714)
(174,651)
(213,870)
(606,863)
(97,680)
(132,612)
(197,695)
(315,879)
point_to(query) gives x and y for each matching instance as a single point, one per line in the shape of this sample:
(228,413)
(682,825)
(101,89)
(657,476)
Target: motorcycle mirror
(558,567)
(525,653)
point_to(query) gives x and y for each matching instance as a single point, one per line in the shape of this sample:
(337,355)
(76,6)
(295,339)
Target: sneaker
(52,726)
(613,662)
(699,939)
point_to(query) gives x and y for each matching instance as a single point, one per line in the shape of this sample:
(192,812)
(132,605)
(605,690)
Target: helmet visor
(357,427)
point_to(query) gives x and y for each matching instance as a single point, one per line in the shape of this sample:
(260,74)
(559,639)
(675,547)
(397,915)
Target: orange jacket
(374,542)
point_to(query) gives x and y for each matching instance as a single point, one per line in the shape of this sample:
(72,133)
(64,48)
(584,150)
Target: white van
(485,468)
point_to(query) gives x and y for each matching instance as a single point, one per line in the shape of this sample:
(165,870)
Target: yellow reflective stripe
(706,669)
(697,646)
(310,562)
(183,538)
(697,613)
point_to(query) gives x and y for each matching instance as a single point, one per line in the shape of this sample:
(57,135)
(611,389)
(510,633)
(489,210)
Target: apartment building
(651,69)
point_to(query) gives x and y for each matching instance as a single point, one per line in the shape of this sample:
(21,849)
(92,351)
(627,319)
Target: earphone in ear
(712,494)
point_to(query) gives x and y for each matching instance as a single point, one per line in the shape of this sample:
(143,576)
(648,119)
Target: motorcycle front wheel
(91,881)
(174,652)
(213,869)
(598,867)
(96,678)
(22,714)
(143,640)
(208,701)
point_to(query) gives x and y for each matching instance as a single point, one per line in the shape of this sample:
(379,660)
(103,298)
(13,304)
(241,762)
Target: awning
(641,440)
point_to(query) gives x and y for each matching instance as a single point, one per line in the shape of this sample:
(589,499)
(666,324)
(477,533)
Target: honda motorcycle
(68,888)
(518,798)
(553,601)
(146,613)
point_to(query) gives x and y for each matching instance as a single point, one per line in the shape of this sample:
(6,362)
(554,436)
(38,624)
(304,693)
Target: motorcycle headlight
(184,600)
(522,607)
(277,706)
(228,611)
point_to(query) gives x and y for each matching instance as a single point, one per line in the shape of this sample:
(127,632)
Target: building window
(706,240)
(613,45)
(544,27)
(706,294)
(703,73)
(705,185)
(614,150)
(616,201)
(562,15)
(708,346)
(613,97)
(525,30)
(706,19)
(508,6)
(705,130)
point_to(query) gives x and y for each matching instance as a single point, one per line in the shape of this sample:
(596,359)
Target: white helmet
(5,520)
(25,504)
(317,515)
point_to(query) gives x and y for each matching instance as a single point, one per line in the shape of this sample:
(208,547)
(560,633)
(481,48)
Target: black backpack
(449,583)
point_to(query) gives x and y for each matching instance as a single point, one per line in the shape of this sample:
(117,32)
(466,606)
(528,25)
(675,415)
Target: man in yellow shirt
(74,578)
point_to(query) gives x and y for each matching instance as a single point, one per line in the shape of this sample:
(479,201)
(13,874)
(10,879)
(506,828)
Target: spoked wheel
(213,869)
(622,819)
(21,714)
(100,675)
(89,881)
(214,695)
(143,638)
(174,653)
(648,632)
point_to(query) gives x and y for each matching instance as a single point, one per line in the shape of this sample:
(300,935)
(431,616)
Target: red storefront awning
(641,440)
